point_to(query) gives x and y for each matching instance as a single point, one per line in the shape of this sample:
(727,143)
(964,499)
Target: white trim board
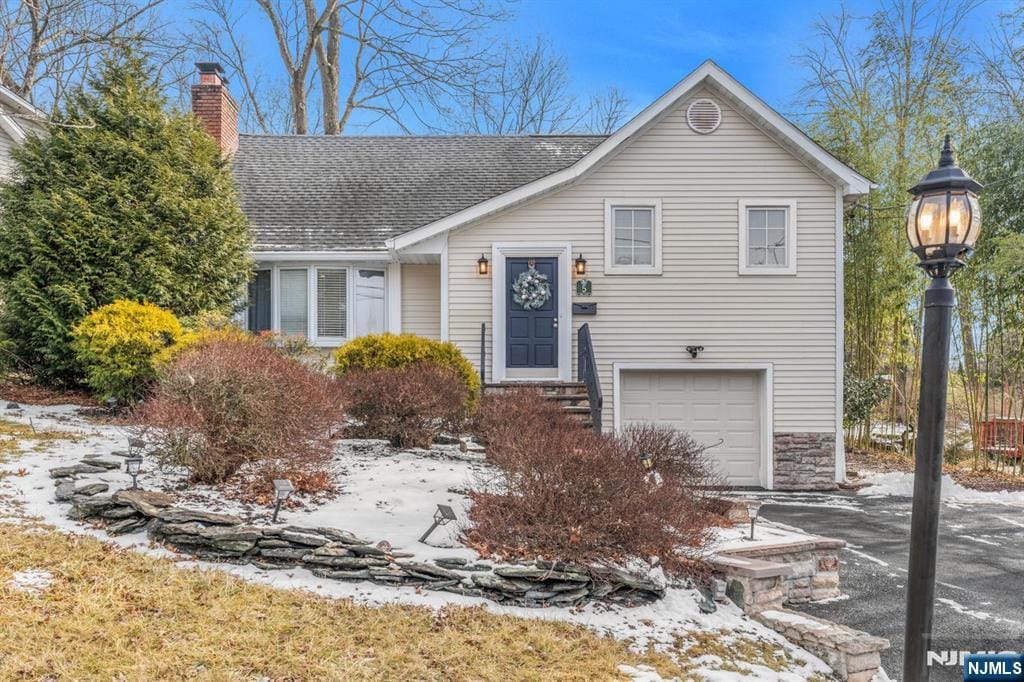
(844,177)
(316,256)
(499,253)
(767,468)
(840,342)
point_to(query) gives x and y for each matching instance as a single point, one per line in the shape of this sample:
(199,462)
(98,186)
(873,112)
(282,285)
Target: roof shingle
(332,193)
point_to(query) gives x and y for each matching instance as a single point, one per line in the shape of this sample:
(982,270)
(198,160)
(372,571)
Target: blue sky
(643,47)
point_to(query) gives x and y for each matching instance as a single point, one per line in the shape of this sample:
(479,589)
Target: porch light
(753,506)
(580,266)
(283,488)
(483,266)
(133,465)
(944,219)
(442,517)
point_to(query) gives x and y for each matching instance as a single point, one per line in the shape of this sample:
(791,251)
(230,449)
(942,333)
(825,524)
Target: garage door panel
(720,409)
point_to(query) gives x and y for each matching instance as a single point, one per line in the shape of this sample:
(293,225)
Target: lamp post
(753,506)
(133,465)
(943,224)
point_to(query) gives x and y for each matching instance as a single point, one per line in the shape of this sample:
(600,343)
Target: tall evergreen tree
(125,200)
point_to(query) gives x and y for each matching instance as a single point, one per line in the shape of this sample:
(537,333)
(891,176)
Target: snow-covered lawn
(901,484)
(385,495)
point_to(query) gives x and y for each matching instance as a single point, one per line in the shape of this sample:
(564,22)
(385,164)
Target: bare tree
(530,92)
(47,46)
(391,59)
(1003,64)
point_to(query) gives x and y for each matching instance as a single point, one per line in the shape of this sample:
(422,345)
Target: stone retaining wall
(813,568)
(805,461)
(338,554)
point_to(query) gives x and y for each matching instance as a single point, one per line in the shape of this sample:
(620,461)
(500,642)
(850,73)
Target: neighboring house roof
(708,74)
(14,110)
(333,193)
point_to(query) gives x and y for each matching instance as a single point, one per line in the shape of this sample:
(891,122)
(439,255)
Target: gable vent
(703,116)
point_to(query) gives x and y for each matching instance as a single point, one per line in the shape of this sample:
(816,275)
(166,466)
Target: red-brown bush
(229,402)
(408,406)
(567,493)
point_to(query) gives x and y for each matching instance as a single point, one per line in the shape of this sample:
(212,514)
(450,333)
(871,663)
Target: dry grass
(11,433)
(112,614)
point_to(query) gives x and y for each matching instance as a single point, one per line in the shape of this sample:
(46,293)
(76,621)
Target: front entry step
(571,395)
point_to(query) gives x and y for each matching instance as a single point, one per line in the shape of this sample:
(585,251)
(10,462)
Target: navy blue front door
(532,335)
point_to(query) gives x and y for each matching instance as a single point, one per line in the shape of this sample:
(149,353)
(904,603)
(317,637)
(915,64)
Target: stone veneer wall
(805,461)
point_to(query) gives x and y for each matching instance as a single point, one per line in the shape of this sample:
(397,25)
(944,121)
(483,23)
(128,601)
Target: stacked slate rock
(340,555)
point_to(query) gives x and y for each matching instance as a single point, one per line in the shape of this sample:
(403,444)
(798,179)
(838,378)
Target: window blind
(331,302)
(294,302)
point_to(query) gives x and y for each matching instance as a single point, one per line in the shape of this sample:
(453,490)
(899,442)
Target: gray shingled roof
(306,193)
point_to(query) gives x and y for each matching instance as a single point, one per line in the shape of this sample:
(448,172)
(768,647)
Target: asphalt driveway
(980,590)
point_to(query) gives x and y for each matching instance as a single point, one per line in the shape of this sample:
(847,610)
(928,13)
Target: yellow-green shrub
(378,351)
(201,330)
(117,346)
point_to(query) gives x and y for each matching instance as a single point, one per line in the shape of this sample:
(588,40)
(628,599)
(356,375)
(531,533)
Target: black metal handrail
(483,355)
(586,371)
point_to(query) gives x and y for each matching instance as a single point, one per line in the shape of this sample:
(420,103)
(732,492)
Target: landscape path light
(943,225)
(283,488)
(133,465)
(442,517)
(753,507)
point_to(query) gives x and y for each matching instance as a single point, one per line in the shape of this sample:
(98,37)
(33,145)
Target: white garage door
(711,406)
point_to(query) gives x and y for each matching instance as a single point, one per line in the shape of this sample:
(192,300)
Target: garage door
(711,406)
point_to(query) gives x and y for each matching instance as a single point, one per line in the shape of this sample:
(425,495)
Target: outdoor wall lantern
(283,488)
(133,465)
(753,507)
(647,460)
(483,266)
(943,224)
(442,517)
(580,266)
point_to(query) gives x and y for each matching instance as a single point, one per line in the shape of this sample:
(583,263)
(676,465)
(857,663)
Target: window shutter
(294,302)
(331,302)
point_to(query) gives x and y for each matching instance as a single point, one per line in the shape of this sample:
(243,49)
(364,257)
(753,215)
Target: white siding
(6,164)
(700,299)
(421,300)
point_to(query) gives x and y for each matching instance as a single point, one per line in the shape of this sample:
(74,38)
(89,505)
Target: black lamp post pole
(939,300)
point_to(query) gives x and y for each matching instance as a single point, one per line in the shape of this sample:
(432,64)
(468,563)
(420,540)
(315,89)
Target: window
(633,236)
(258,309)
(767,238)
(294,301)
(370,310)
(331,303)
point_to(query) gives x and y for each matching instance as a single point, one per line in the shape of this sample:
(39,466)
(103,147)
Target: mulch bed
(19,391)
(885,461)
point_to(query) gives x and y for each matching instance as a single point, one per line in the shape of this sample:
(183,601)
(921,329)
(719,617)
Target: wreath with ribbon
(531,289)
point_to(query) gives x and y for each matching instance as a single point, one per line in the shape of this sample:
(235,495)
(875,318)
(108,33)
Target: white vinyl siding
(331,303)
(421,300)
(294,301)
(700,298)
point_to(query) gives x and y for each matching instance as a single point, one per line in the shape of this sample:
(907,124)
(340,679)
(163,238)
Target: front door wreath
(531,289)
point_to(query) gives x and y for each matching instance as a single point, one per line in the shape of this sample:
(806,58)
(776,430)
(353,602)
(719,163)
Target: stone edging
(337,554)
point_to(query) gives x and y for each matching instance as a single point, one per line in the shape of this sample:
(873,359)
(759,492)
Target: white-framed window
(331,303)
(767,237)
(632,236)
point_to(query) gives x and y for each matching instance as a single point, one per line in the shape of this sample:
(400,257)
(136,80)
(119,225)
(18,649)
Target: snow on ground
(386,494)
(901,484)
(33,581)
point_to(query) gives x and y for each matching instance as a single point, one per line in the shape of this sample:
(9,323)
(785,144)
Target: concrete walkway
(980,591)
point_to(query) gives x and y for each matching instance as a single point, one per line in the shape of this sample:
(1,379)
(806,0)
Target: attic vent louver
(703,116)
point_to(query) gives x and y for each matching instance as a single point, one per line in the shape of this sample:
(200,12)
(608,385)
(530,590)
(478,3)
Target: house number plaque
(584,287)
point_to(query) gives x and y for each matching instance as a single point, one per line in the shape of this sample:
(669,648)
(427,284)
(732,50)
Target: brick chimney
(214,106)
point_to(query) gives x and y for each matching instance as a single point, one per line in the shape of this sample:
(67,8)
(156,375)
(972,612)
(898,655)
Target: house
(18,119)
(700,245)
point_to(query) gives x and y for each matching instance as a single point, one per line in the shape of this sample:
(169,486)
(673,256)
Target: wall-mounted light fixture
(580,265)
(693,350)
(483,266)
